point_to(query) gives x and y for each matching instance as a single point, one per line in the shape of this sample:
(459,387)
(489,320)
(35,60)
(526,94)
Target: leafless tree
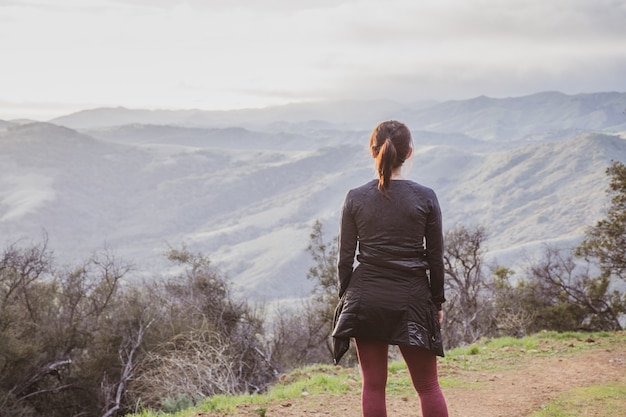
(466,315)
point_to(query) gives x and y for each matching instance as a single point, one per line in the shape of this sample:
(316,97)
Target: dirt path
(524,389)
(513,392)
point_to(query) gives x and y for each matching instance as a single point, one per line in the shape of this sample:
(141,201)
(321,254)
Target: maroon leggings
(422,367)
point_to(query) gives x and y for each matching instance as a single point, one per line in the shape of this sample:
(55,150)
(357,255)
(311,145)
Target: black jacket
(394,291)
(404,232)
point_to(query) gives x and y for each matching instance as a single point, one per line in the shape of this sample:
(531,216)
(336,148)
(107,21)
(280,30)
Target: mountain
(247,198)
(534,117)
(524,117)
(343,114)
(5,125)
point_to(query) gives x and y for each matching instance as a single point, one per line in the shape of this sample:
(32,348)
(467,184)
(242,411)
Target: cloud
(274,6)
(454,48)
(242,53)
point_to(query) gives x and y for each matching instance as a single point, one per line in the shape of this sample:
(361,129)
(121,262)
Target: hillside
(248,197)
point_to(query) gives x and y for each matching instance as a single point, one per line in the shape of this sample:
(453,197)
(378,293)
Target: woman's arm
(434,251)
(347,242)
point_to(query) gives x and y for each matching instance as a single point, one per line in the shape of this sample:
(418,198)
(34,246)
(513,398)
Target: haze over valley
(245,187)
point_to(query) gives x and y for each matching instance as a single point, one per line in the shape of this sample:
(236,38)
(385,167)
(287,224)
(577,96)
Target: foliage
(324,271)
(606,241)
(555,293)
(512,316)
(563,292)
(324,275)
(52,322)
(205,343)
(78,341)
(566,296)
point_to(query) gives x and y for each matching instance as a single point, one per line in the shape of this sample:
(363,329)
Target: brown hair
(390,144)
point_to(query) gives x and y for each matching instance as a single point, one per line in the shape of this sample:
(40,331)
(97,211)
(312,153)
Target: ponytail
(390,144)
(385,159)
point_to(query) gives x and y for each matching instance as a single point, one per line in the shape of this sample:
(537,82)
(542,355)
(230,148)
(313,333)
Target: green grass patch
(312,380)
(505,352)
(598,400)
(399,382)
(397,366)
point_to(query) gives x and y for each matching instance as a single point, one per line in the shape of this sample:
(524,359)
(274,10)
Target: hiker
(393,295)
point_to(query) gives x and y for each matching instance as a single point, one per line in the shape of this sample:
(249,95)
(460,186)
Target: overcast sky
(60,56)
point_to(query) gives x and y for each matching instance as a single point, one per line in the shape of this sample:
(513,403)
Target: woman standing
(394,294)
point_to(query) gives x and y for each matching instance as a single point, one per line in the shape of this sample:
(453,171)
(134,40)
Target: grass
(599,400)
(312,380)
(484,356)
(505,352)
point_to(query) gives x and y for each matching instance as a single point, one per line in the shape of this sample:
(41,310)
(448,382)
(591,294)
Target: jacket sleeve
(347,242)
(434,251)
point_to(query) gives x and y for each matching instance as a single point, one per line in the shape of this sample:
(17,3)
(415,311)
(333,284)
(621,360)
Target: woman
(389,298)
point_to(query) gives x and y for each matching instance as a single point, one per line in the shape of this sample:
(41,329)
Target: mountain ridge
(482,117)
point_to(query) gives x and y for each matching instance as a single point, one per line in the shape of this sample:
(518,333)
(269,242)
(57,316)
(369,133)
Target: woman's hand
(440,316)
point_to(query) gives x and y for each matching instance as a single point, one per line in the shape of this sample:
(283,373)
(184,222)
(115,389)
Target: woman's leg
(373,361)
(422,367)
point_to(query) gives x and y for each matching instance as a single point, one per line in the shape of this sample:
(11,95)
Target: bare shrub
(515,323)
(299,337)
(195,364)
(467,316)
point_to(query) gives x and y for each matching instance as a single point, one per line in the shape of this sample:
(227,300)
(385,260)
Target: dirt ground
(513,392)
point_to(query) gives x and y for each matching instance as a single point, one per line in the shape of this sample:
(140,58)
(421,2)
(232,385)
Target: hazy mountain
(534,117)
(342,114)
(5,125)
(248,198)
(524,117)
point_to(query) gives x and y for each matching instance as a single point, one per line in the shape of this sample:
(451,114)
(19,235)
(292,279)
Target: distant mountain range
(244,187)
(482,118)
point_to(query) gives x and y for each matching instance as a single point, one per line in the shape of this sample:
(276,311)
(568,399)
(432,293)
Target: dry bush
(195,364)
(515,323)
(300,336)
